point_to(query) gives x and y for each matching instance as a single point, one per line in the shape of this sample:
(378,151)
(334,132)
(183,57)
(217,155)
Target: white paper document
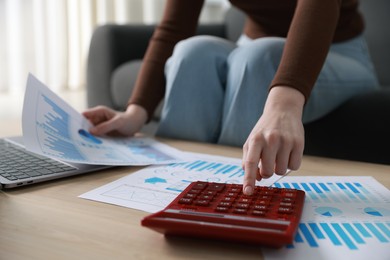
(153,188)
(54,129)
(343,218)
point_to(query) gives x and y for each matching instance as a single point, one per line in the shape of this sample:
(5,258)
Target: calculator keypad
(228,198)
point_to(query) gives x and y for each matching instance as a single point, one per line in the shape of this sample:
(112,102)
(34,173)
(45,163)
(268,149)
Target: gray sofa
(357,130)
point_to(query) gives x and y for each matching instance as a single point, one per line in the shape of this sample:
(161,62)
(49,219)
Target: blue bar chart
(350,235)
(343,218)
(57,135)
(216,168)
(333,192)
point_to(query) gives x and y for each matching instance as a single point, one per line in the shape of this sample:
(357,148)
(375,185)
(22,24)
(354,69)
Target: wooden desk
(49,221)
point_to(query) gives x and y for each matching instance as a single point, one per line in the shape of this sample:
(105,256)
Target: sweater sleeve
(179,21)
(308,41)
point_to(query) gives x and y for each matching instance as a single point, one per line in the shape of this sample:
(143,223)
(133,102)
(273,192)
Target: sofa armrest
(357,130)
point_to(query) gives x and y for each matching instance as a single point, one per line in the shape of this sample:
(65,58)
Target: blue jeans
(216,91)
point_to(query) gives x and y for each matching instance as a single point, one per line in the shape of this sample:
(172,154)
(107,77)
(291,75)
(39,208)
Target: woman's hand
(276,142)
(112,122)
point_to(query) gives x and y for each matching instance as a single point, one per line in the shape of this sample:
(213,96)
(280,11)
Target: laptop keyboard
(17,164)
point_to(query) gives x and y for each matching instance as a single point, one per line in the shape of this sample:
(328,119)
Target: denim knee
(259,54)
(203,48)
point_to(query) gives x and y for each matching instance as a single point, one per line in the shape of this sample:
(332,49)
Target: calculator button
(216,187)
(273,189)
(284,210)
(228,199)
(260,207)
(200,185)
(231,194)
(244,200)
(259,213)
(242,205)
(225,204)
(185,201)
(286,204)
(240,211)
(265,197)
(205,197)
(190,195)
(194,191)
(289,193)
(262,202)
(202,202)
(210,192)
(235,189)
(287,200)
(221,209)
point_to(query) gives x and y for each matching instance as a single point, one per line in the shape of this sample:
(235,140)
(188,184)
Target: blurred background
(50,39)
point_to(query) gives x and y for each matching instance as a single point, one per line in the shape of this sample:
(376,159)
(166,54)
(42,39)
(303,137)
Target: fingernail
(248,190)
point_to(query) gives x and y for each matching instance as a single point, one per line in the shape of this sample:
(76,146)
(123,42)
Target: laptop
(19,167)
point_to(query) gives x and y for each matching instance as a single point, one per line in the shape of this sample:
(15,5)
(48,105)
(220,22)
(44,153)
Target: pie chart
(377,212)
(328,211)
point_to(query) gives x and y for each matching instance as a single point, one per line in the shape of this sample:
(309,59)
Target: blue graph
(338,192)
(56,127)
(217,168)
(350,235)
(57,120)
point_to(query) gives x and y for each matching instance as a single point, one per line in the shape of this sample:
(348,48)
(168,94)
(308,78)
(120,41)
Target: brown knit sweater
(309,26)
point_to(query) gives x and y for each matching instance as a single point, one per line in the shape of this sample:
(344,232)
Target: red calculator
(269,217)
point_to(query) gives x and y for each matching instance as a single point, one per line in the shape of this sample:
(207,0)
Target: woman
(295,62)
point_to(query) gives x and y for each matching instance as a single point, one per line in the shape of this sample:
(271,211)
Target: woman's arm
(179,21)
(276,143)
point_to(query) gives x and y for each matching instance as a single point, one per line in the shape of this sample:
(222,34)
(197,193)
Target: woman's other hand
(107,121)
